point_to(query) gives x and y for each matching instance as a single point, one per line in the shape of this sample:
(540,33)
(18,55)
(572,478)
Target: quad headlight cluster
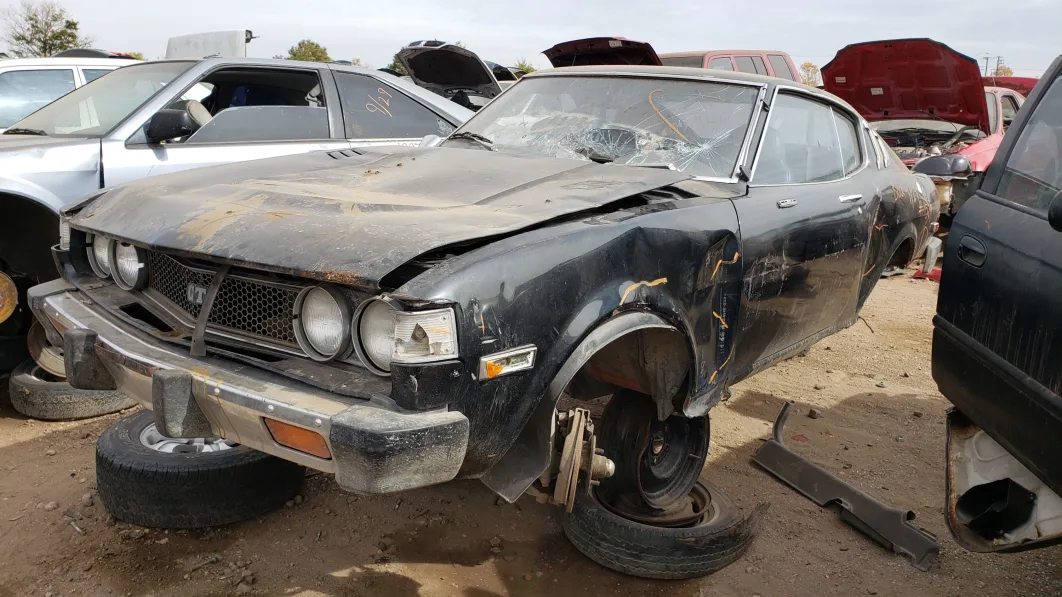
(379,331)
(121,261)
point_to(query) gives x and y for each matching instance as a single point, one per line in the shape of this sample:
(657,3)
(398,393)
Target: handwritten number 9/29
(379,103)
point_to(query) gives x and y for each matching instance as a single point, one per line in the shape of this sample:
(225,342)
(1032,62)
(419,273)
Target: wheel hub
(151,438)
(657,462)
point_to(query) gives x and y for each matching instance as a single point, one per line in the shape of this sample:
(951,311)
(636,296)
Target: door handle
(972,251)
(784,203)
(849,198)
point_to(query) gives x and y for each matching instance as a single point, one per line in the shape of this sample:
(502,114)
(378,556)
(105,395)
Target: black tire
(646,551)
(39,395)
(149,488)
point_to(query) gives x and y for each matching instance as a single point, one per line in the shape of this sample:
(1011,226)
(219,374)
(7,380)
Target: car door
(803,228)
(375,113)
(258,112)
(997,335)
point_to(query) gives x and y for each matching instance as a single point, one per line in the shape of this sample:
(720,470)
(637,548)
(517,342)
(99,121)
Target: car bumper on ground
(370,444)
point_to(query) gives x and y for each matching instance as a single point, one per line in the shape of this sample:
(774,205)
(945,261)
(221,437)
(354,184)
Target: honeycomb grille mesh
(247,306)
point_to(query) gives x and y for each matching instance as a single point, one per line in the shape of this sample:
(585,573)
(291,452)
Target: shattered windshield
(694,126)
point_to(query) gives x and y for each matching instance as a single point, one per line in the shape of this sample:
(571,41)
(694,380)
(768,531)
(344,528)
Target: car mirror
(168,124)
(430,141)
(1054,212)
(947,166)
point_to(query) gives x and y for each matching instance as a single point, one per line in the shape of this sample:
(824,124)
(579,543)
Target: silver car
(165,116)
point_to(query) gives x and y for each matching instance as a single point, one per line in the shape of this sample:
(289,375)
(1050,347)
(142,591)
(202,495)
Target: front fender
(529,456)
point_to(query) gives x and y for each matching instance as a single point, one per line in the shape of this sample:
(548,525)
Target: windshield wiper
(23,131)
(476,137)
(660,165)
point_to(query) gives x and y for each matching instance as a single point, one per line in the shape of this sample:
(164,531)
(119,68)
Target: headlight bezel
(356,339)
(90,250)
(142,269)
(346,318)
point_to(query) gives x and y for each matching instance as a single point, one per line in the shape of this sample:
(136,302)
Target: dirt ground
(881,428)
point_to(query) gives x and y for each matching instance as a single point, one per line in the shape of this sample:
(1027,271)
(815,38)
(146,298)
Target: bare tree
(35,29)
(809,74)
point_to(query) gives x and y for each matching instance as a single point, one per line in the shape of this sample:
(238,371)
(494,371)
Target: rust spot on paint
(338,277)
(636,285)
(721,262)
(721,322)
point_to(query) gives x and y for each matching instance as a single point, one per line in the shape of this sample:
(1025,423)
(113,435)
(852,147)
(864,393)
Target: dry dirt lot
(881,428)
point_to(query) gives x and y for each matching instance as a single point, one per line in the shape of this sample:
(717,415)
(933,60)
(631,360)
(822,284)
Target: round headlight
(322,322)
(376,335)
(99,256)
(128,265)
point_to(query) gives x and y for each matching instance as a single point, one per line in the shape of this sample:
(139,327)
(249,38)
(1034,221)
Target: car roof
(706,52)
(116,62)
(686,72)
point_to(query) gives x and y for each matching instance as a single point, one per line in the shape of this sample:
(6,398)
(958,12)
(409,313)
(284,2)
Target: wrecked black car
(631,237)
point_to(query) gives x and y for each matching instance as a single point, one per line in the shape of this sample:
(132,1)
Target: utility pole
(986,65)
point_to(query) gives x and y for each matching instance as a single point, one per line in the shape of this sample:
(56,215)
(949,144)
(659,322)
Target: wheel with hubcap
(152,480)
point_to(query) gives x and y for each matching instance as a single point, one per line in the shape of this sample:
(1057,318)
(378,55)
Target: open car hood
(354,217)
(446,69)
(909,79)
(601,50)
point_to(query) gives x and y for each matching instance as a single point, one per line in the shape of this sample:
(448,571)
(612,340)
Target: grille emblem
(195,294)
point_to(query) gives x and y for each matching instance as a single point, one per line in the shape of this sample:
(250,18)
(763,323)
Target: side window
(249,104)
(757,63)
(721,63)
(373,109)
(688,61)
(26,91)
(802,143)
(1010,109)
(848,139)
(780,66)
(1033,173)
(91,74)
(745,64)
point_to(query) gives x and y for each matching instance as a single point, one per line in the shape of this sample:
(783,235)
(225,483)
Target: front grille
(245,305)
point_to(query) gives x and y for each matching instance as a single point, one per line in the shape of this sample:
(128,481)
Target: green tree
(309,51)
(809,74)
(524,65)
(137,55)
(41,29)
(396,65)
(1003,71)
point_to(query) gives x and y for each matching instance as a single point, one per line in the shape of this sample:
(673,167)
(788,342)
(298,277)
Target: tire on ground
(149,488)
(37,394)
(647,551)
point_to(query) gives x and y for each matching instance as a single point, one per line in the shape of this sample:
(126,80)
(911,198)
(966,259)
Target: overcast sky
(1024,32)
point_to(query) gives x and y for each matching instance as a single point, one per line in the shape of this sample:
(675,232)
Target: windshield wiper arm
(660,165)
(476,137)
(23,131)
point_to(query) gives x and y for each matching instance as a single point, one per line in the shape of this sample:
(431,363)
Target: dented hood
(602,50)
(909,79)
(353,218)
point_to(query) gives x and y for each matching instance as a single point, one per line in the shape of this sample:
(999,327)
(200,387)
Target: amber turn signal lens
(298,438)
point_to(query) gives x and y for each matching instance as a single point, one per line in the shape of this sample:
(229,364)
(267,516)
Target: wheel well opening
(26,241)
(903,255)
(652,361)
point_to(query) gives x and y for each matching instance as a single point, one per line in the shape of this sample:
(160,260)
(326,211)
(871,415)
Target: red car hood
(602,50)
(909,78)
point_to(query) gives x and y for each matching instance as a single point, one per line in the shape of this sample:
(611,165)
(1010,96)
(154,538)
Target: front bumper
(376,447)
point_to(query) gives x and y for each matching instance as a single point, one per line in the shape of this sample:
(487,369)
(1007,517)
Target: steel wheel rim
(674,454)
(153,440)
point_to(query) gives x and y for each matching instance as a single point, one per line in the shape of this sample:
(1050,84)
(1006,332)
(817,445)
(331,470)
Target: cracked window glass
(693,126)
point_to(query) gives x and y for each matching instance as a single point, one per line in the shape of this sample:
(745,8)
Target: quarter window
(373,109)
(721,63)
(781,67)
(1033,173)
(806,141)
(25,91)
(91,74)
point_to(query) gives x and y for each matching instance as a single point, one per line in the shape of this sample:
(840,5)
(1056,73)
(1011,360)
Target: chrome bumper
(375,446)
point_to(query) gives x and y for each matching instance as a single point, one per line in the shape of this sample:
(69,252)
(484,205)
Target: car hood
(352,218)
(909,78)
(602,50)
(443,68)
(10,143)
